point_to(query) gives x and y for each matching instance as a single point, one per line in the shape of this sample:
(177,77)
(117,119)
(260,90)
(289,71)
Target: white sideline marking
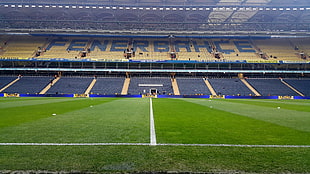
(152,125)
(148,144)
(74,144)
(236,145)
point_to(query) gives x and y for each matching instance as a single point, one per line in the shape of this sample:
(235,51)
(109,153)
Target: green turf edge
(180,121)
(114,159)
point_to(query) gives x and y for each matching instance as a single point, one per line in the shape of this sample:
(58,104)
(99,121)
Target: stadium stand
(151,49)
(5,80)
(277,48)
(302,85)
(70,85)
(192,86)
(22,47)
(271,87)
(231,86)
(241,50)
(108,85)
(65,48)
(107,49)
(28,85)
(302,46)
(198,49)
(142,85)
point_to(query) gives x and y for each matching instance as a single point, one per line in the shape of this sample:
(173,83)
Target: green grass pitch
(181,122)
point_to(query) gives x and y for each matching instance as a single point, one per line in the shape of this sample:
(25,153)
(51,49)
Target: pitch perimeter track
(148,144)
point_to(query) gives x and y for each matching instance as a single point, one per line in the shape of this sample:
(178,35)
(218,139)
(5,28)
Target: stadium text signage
(224,46)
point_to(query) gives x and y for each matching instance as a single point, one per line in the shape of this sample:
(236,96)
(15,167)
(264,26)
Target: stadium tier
(70,85)
(230,87)
(5,81)
(301,85)
(192,86)
(25,85)
(108,85)
(155,85)
(113,48)
(271,87)
(150,85)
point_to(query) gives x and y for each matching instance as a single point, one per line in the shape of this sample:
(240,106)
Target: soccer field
(134,135)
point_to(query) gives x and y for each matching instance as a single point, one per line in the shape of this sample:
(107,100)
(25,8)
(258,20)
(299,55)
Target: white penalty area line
(149,144)
(152,125)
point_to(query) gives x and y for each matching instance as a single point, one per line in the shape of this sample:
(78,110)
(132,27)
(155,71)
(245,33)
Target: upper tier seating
(22,47)
(271,87)
(31,85)
(163,85)
(230,87)
(108,85)
(114,48)
(302,85)
(192,86)
(70,85)
(302,45)
(277,48)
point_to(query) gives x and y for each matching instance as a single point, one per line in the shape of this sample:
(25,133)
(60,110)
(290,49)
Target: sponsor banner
(291,61)
(10,95)
(217,96)
(286,97)
(263,61)
(81,95)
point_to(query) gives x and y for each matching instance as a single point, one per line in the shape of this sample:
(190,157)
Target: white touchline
(152,125)
(147,144)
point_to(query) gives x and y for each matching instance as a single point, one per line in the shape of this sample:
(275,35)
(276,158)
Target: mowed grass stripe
(132,159)
(294,105)
(33,111)
(14,99)
(184,122)
(110,121)
(269,112)
(17,102)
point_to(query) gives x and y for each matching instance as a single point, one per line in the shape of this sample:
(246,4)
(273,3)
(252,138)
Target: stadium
(154,86)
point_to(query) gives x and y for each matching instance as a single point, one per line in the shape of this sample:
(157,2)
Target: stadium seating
(142,85)
(108,48)
(64,48)
(277,48)
(225,86)
(5,80)
(22,47)
(108,85)
(192,86)
(302,45)
(302,85)
(102,49)
(70,85)
(157,49)
(271,87)
(31,85)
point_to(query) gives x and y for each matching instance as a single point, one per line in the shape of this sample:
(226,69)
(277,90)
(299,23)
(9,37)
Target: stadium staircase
(49,86)
(10,84)
(292,88)
(175,86)
(125,86)
(210,87)
(90,87)
(250,87)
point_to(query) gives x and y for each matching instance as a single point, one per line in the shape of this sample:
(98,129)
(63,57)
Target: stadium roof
(173,16)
